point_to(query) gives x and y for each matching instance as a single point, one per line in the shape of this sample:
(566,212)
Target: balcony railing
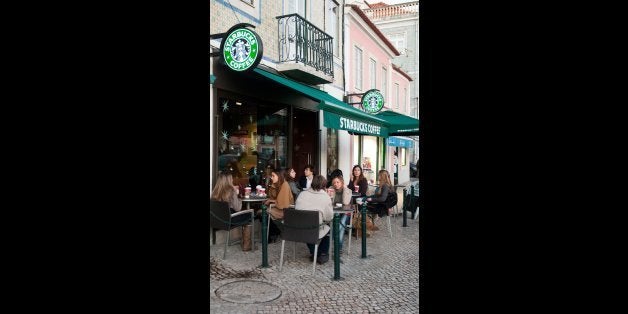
(409,8)
(301,41)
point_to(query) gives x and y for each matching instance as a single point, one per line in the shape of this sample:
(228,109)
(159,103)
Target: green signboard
(242,49)
(372,101)
(335,121)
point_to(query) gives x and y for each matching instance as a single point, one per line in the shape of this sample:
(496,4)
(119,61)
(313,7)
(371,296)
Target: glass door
(305,140)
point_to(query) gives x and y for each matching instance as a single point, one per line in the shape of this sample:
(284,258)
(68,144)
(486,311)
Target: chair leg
(416,214)
(389,227)
(214,236)
(253,231)
(350,232)
(283,242)
(224,255)
(314,262)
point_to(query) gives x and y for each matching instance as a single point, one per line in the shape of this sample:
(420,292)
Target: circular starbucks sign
(242,49)
(372,101)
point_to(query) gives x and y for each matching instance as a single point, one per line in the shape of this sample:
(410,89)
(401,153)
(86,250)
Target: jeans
(344,221)
(323,248)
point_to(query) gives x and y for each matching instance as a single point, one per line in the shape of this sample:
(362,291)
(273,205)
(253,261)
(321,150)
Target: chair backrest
(391,200)
(219,215)
(410,202)
(300,225)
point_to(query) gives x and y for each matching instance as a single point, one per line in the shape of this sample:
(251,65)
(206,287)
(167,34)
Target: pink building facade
(368,65)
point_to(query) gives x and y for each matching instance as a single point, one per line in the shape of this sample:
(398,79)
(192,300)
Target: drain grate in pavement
(248,291)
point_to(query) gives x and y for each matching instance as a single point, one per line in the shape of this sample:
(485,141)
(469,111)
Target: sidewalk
(387,281)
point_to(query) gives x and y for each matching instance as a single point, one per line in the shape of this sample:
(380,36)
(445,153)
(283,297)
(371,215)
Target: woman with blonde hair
(377,201)
(224,191)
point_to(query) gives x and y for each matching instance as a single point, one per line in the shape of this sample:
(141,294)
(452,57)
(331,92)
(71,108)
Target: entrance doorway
(305,140)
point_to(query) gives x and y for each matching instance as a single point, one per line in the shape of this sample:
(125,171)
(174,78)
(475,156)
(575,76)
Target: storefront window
(403,156)
(369,158)
(251,138)
(332,150)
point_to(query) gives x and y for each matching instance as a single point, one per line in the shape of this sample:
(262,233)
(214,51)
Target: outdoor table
(252,199)
(248,201)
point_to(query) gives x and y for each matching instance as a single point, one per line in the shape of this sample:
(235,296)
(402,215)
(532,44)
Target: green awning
(399,124)
(336,113)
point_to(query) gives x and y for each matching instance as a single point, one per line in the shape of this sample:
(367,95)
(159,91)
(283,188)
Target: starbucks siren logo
(372,101)
(242,49)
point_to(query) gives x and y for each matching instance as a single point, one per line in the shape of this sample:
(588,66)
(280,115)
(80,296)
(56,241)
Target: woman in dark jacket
(377,201)
(357,178)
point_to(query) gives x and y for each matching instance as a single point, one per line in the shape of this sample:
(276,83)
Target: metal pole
(264,237)
(336,246)
(405,206)
(363,211)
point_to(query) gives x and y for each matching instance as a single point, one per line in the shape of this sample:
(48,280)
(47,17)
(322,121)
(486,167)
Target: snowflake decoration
(239,127)
(243,147)
(225,105)
(251,119)
(225,135)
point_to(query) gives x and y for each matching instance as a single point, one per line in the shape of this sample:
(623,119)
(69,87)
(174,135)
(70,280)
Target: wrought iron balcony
(302,42)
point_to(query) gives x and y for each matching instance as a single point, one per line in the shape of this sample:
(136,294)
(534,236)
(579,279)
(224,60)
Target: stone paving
(387,281)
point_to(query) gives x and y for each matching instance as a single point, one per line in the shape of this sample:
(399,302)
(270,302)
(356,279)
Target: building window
(358,68)
(332,150)
(251,137)
(372,72)
(332,24)
(403,99)
(297,6)
(384,82)
(398,40)
(403,156)
(396,101)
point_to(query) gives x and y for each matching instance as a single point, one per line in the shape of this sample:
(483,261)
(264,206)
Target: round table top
(254,199)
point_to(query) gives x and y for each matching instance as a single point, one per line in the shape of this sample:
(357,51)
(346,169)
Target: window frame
(359,71)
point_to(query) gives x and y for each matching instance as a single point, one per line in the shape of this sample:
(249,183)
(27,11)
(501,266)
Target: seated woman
(225,192)
(280,195)
(342,195)
(377,202)
(316,198)
(290,177)
(357,179)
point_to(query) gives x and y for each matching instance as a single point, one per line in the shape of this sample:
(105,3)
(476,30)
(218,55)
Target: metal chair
(220,218)
(410,204)
(301,226)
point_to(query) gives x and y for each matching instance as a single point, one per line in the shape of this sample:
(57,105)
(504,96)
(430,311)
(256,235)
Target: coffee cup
(247,191)
(356,188)
(338,204)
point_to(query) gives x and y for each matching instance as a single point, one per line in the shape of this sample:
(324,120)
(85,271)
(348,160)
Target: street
(387,281)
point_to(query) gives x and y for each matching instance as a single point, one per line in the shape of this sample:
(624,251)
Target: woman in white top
(316,198)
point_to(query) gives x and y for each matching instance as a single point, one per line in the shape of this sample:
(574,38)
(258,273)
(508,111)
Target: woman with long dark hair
(280,195)
(357,179)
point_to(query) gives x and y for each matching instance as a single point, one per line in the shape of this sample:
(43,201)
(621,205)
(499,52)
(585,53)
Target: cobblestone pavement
(387,281)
